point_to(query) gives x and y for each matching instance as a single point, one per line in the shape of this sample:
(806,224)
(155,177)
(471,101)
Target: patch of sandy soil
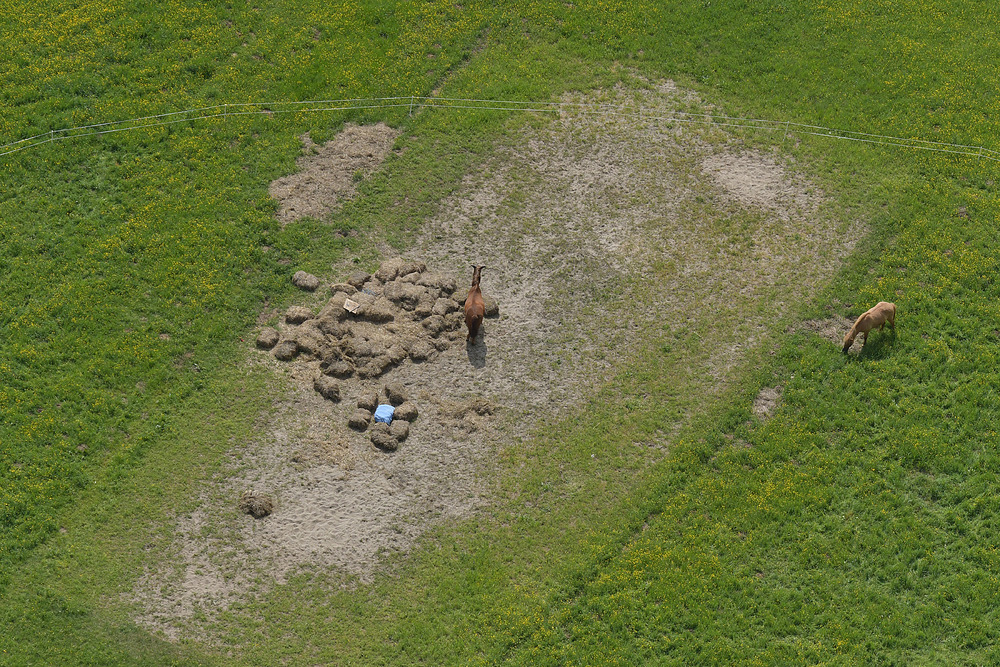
(759,181)
(832,329)
(766,403)
(328,174)
(599,234)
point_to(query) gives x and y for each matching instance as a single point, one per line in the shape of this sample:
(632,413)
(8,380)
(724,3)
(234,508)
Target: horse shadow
(476,351)
(878,346)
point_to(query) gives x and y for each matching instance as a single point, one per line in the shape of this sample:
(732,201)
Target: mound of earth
(373,323)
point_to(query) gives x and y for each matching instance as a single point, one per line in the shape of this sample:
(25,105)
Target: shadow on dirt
(477,350)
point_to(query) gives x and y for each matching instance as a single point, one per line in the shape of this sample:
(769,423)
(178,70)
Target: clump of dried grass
(257,505)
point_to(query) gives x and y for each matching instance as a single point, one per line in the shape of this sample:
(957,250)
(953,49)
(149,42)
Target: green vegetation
(859,525)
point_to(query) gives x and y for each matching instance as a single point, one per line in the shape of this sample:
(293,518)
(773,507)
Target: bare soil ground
(600,234)
(329,174)
(766,403)
(832,329)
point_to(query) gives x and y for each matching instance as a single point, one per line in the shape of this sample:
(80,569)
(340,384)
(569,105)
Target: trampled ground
(600,234)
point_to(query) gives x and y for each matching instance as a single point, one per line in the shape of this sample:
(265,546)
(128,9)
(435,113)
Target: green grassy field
(858,525)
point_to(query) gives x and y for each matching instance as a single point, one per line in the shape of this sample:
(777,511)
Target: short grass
(136,261)
(856,526)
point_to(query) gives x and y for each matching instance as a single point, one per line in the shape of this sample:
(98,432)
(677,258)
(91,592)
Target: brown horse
(475,309)
(877,316)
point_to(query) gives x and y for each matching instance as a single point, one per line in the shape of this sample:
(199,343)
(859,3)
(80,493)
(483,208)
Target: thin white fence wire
(223,111)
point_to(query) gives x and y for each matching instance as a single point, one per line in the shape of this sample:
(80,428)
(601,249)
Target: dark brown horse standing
(475,309)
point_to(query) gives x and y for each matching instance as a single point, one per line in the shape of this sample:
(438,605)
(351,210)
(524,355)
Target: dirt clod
(346,288)
(327,387)
(286,350)
(257,505)
(305,281)
(396,354)
(492,307)
(399,429)
(444,305)
(388,270)
(379,312)
(360,419)
(382,437)
(368,400)
(358,279)
(406,411)
(298,314)
(444,283)
(267,338)
(434,325)
(396,393)
(311,340)
(339,369)
(422,350)
(375,367)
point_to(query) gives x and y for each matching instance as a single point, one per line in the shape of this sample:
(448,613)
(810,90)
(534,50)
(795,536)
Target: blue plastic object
(383,413)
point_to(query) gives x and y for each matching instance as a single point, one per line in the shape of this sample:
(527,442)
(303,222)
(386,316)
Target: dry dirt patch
(758,180)
(600,235)
(832,329)
(766,403)
(329,174)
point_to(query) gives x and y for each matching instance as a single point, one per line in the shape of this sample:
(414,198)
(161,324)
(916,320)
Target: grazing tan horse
(475,309)
(877,316)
